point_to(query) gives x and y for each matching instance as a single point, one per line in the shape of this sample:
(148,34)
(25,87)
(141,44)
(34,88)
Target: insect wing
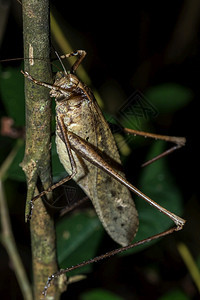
(112,200)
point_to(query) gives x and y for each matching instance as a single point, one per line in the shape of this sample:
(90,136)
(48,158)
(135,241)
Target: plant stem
(8,241)
(7,237)
(36,161)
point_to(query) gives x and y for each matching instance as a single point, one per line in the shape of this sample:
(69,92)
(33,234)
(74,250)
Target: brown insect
(88,152)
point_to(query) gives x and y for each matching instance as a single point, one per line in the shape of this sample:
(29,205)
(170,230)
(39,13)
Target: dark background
(131,46)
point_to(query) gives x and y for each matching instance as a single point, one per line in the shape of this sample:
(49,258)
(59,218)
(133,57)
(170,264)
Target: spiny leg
(81,147)
(49,86)
(72,162)
(178,141)
(106,255)
(80,53)
(73,206)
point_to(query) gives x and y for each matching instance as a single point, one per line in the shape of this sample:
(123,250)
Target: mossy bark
(36,163)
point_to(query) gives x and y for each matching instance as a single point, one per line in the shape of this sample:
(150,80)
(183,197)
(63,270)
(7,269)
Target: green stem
(36,162)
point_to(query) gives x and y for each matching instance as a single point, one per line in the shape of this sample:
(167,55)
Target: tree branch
(36,162)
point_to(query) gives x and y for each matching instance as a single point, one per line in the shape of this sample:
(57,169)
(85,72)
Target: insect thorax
(68,83)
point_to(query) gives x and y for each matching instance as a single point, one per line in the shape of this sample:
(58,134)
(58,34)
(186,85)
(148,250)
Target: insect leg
(50,86)
(85,150)
(178,141)
(80,53)
(103,256)
(72,161)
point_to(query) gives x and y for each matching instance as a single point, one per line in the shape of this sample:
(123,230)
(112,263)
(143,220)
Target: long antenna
(60,60)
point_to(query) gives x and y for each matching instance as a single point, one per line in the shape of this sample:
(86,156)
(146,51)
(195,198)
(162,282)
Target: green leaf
(99,294)
(169,97)
(15,171)
(78,237)
(174,295)
(12,93)
(157,183)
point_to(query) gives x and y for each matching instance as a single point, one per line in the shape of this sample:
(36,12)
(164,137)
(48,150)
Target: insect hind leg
(72,161)
(178,141)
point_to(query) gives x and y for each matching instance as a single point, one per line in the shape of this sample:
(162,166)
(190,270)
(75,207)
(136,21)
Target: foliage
(79,235)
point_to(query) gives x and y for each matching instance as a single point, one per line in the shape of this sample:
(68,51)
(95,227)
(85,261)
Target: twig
(190,264)
(7,237)
(9,243)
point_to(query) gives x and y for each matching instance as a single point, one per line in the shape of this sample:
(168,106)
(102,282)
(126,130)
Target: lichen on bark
(36,162)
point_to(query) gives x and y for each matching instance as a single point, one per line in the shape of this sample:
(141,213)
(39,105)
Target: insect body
(81,115)
(87,150)
(78,114)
